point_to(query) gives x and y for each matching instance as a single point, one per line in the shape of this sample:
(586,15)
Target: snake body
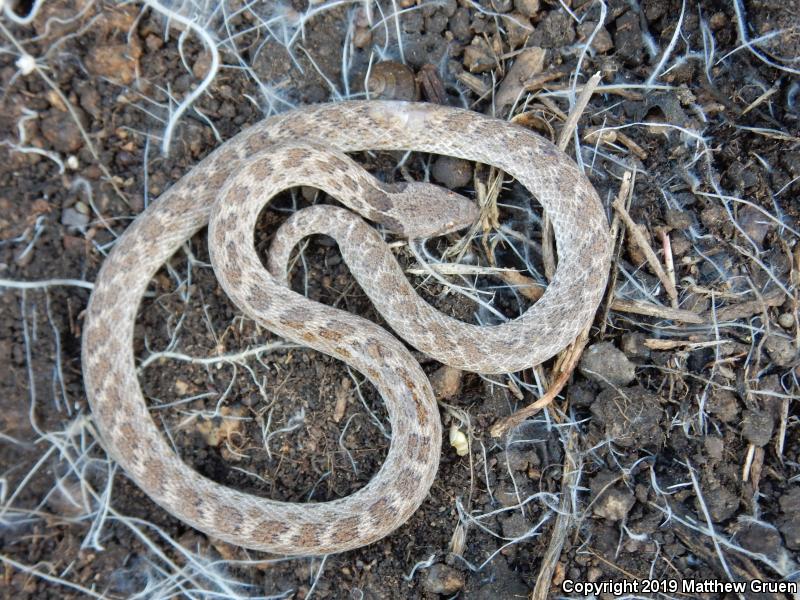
(226,191)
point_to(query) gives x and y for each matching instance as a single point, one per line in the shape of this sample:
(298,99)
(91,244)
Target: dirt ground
(672,455)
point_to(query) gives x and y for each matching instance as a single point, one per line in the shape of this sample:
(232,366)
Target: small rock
(678,219)
(721,503)
(518,28)
(605,364)
(442,579)
(716,219)
(62,132)
(593,574)
(515,460)
(529,8)
(780,349)
(610,501)
(632,344)
(680,245)
(362,37)
(89,99)
(202,65)
(790,501)
(628,38)
(502,6)
(602,39)
(459,25)
(755,224)
(723,405)
(452,172)
(515,526)
(479,56)
(717,21)
(555,30)
(119,62)
(761,539)
(789,524)
(757,427)
(786,320)
(581,393)
(790,528)
(631,417)
(714,448)
(73,218)
(446,382)
(654,9)
(153,42)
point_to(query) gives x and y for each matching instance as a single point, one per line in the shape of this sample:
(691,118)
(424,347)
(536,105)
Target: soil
(675,445)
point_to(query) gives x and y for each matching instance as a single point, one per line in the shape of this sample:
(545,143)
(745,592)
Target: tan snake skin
(231,186)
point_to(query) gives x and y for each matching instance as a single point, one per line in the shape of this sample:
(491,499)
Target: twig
(575,113)
(44,283)
(652,259)
(566,363)
(743,310)
(563,523)
(624,194)
(640,307)
(548,250)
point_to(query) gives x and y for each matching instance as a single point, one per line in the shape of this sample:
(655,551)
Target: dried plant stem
(641,307)
(565,365)
(650,255)
(563,523)
(548,249)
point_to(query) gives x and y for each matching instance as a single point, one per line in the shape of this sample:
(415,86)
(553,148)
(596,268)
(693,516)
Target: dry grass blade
(642,307)
(652,259)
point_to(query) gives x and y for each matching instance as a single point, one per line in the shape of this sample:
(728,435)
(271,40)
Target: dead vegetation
(662,444)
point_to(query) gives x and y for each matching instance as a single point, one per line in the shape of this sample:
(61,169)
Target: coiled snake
(306,147)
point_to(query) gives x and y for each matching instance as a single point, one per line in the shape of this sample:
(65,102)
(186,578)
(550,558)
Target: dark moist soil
(656,423)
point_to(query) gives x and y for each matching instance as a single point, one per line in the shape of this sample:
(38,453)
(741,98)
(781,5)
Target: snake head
(423,210)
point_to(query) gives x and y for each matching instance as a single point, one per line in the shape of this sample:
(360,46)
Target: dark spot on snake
(268,531)
(258,297)
(423,449)
(328,334)
(309,534)
(378,199)
(236,519)
(346,530)
(408,479)
(340,327)
(233,251)
(349,183)
(381,511)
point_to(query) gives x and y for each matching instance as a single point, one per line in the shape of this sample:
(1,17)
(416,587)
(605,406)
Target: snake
(226,191)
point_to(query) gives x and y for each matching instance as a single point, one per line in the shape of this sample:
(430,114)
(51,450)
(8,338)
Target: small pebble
(780,349)
(605,364)
(610,501)
(452,172)
(446,382)
(529,8)
(502,6)
(757,427)
(73,218)
(442,579)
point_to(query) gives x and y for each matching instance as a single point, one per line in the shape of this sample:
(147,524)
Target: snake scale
(227,190)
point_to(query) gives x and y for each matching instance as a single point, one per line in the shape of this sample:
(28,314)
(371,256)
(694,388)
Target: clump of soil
(673,452)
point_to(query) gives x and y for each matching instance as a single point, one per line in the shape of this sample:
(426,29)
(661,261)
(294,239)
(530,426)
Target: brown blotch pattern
(308,534)
(344,531)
